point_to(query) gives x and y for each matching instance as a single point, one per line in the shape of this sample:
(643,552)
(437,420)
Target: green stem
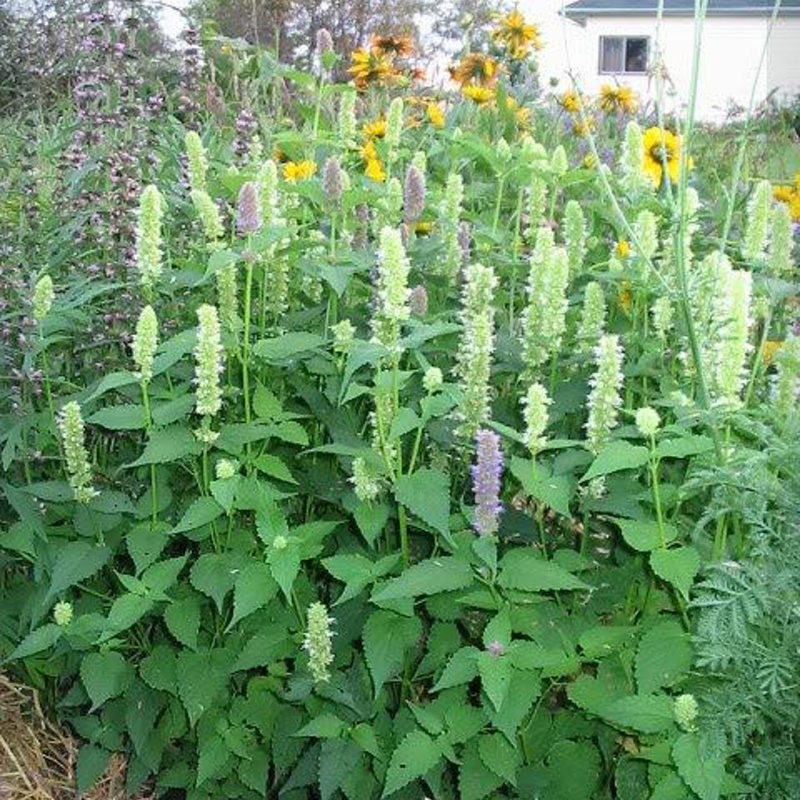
(501,185)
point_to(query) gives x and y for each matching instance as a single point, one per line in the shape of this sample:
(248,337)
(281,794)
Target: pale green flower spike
(420,161)
(43,296)
(535,404)
(663,316)
(343,334)
(558,161)
(604,398)
(733,315)
(756,230)
(781,242)
(575,236)
(318,642)
(593,318)
(394,128)
(394,199)
(70,425)
(709,299)
(432,380)
(544,318)
(504,153)
(62,614)
(449,219)
(533,153)
(474,357)
(208,356)
(145,342)
(226,469)
(366,486)
(269,194)
(197,162)
(392,291)
(148,237)
(632,158)
(647,421)
(685,710)
(347,117)
(227,295)
(537,205)
(786,389)
(208,213)
(646,230)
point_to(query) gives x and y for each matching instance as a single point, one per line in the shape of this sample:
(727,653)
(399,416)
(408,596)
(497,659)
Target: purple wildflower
(249,211)
(486,475)
(496,648)
(324,41)
(332,181)
(418,301)
(413,195)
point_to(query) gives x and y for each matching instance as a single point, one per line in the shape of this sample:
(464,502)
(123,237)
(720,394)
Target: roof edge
(580,13)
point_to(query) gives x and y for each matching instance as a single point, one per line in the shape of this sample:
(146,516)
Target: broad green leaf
(426,494)
(167,445)
(684,446)
(41,639)
(499,756)
(702,771)
(645,535)
(284,563)
(670,787)
(678,566)
(111,502)
(114,380)
(555,491)
(125,612)
(552,660)
(201,678)
(265,647)
(475,779)
(119,418)
(105,675)
(201,512)
(603,640)
(648,713)
(91,764)
(495,672)
(413,757)
(287,345)
(254,589)
(615,456)
(159,669)
(574,769)
(76,562)
(663,657)
(524,570)
(224,491)
(182,618)
(354,570)
(524,690)
(337,760)
(145,543)
(428,577)
(274,467)
(160,577)
(371,519)
(214,574)
(460,669)
(212,755)
(387,638)
(325,726)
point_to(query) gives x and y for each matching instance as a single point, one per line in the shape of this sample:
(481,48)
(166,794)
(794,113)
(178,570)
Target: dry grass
(37,758)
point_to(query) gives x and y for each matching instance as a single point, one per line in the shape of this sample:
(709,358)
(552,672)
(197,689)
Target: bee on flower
(476,69)
(516,36)
(618,99)
(299,170)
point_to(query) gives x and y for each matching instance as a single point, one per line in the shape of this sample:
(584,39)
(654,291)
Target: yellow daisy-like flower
(661,147)
(475,68)
(623,248)
(624,298)
(375,129)
(771,347)
(374,170)
(791,196)
(617,99)
(435,115)
(369,66)
(583,126)
(368,151)
(299,170)
(589,161)
(517,36)
(478,94)
(570,101)
(401,46)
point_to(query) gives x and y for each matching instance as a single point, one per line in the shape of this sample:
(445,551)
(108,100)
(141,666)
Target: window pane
(636,55)
(611,48)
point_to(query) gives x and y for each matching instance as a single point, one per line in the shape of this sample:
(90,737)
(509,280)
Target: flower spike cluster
(535,404)
(487,473)
(43,296)
(148,237)
(604,398)
(392,292)
(71,428)
(208,355)
(197,162)
(318,642)
(145,342)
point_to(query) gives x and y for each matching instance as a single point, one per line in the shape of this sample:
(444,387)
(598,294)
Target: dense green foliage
(475,480)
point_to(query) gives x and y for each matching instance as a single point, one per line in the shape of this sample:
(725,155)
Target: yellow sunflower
(617,99)
(771,347)
(435,115)
(583,126)
(570,101)
(375,129)
(401,46)
(517,36)
(299,170)
(475,68)
(374,170)
(789,194)
(482,95)
(368,66)
(661,147)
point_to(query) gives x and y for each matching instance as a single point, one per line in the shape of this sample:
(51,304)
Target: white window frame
(624,40)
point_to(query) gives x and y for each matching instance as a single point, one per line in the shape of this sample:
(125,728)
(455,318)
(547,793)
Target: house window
(624,54)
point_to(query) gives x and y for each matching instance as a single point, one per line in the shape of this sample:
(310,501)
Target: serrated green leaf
(615,456)
(495,672)
(287,345)
(603,640)
(524,570)
(119,418)
(274,467)
(182,618)
(574,769)
(255,588)
(428,577)
(354,570)
(670,787)
(499,756)
(201,678)
(91,764)
(524,690)
(461,668)
(201,512)
(664,656)
(412,758)
(702,771)
(555,491)
(159,669)
(426,494)
(76,562)
(387,637)
(105,675)
(212,755)
(678,566)
(337,759)
(648,713)
(684,446)
(38,640)
(214,574)
(167,445)
(325,726)
(475,780)
(145,543)
(125,612)
(645,535)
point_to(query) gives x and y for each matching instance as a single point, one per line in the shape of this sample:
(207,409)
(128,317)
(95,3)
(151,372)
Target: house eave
(582,15)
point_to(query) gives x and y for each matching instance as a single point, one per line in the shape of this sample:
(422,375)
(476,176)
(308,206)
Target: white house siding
(731,51)
(783,57)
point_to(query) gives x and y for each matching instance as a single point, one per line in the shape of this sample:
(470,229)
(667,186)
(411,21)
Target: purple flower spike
(249,209)
(486,475)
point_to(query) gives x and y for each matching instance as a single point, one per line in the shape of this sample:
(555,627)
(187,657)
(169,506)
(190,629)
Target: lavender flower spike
(248,219)
(486,477)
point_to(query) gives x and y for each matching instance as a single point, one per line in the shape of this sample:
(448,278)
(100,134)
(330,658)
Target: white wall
(730,53)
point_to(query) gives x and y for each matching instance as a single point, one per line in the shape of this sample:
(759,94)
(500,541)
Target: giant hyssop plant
(402,491)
